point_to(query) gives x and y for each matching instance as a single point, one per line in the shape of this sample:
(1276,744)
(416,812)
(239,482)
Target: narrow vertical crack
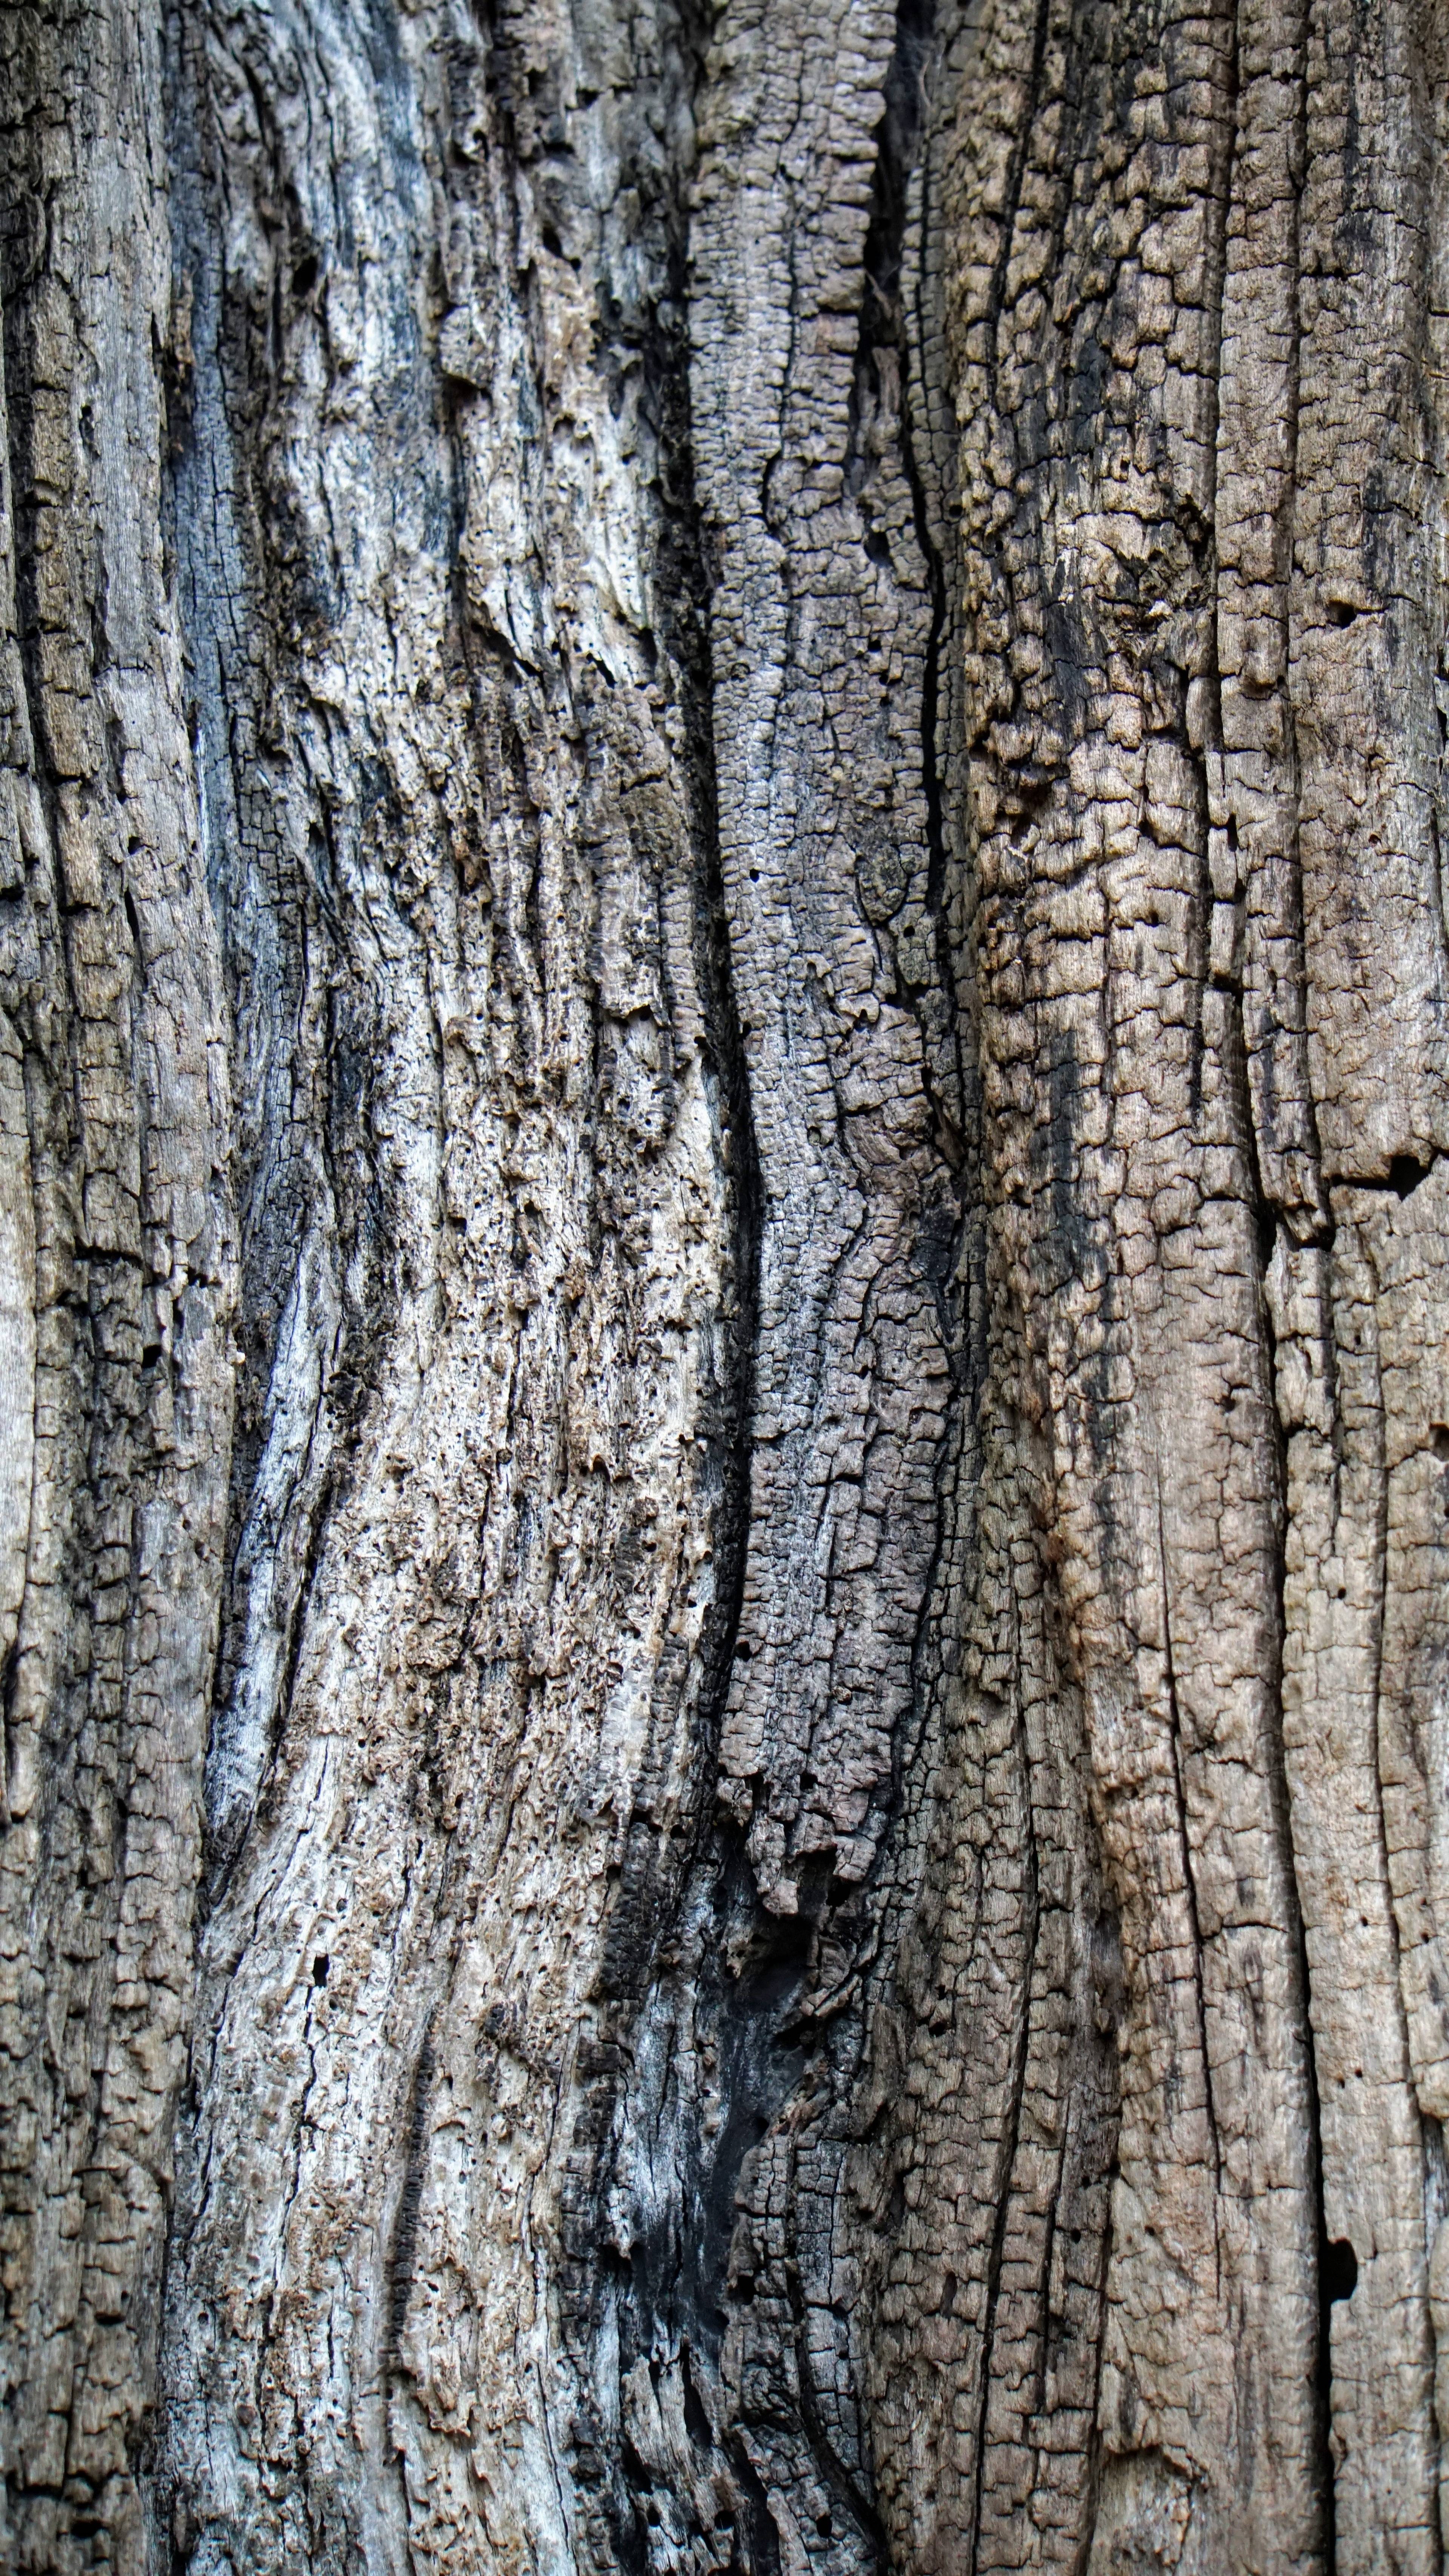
(1268,1219)
(1283,1826)
(667,2291)
(886,324)
(1189,1878)
(1012,2128)
(846,2491)
(402,2250)
(1011,194)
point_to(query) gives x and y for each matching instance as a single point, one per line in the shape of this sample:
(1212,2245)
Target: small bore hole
(1340,2271)
(320,1966)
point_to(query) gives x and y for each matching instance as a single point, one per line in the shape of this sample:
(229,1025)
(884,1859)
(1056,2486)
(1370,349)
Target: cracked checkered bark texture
(724,1287)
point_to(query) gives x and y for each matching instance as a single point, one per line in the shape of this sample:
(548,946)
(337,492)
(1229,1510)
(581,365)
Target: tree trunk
(724,1287)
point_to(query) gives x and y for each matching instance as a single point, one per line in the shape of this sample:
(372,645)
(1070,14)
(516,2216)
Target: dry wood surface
(724,1287)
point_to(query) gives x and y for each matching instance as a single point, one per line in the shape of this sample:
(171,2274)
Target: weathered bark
(724,1347)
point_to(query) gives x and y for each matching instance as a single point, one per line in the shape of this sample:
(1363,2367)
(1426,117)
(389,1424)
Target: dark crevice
(1267,1231)
(1011,204)
(1337,2270)
(1405,1174)
(1323,2364)
(691,1894)
(8,1670)
(1095,2447)
(748,1972)
(1269,1220)
(886,326)
(227,1831)
(1400,1181)
(886,322)
(760,2555)
(402,2251)
(845,2490)
(1011,2141)
(1190,1885)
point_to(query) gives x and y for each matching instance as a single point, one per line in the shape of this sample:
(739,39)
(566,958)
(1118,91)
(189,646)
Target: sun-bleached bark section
(1361,1317)
(1326,845)
(459,839)
(1194,268)
(116,1278)
(1130,1450)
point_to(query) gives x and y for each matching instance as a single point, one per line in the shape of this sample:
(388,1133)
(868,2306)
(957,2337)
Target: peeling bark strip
(724,1362)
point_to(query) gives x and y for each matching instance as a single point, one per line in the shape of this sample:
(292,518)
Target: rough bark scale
(724,1365)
